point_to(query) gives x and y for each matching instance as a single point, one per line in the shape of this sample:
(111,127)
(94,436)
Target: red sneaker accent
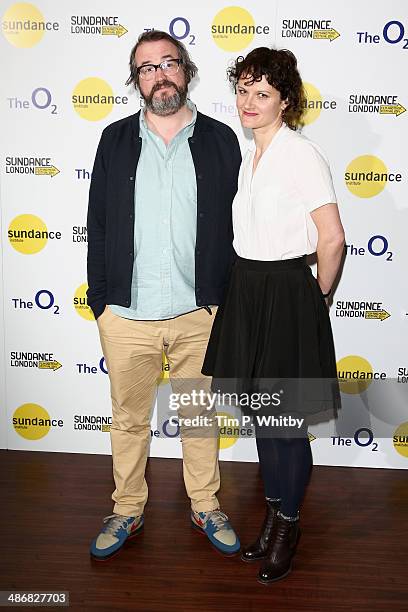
(198,521)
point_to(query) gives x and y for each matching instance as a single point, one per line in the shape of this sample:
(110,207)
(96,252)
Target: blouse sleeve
(312,176)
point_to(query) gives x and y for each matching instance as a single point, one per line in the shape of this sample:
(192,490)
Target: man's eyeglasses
(168,67)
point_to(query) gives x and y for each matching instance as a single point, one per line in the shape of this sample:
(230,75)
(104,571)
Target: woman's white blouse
(271,210)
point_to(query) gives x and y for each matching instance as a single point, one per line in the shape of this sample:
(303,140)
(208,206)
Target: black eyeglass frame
(178,60)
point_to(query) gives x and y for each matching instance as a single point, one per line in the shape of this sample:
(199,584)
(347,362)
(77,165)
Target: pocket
(103,315)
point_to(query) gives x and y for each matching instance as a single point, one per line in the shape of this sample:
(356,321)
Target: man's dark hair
(280,70)
(187,65)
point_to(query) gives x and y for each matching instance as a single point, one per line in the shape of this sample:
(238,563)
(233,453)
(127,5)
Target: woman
(274,324)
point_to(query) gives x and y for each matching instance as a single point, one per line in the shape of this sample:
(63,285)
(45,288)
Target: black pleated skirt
(273,332)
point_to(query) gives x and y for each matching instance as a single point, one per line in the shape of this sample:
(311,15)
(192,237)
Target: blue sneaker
(118,529)
(216,527)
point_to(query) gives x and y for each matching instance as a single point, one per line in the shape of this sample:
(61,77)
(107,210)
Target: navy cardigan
(216,157)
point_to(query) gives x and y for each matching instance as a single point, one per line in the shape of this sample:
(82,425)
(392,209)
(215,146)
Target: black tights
(285,467)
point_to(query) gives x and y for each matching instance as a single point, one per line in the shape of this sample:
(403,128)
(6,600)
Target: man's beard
(166,104)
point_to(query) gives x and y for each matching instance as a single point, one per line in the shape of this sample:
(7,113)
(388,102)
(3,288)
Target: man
(159,257)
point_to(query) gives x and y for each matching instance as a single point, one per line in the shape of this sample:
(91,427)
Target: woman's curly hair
(280,70)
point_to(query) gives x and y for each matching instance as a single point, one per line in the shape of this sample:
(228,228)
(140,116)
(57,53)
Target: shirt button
(199,176)
(192,140)
(198,290)
(201,214)
(198,251)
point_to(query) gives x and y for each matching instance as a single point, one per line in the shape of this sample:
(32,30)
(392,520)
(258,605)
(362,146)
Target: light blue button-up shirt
(163,281)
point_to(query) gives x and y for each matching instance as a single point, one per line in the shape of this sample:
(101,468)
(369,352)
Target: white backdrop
(353,60)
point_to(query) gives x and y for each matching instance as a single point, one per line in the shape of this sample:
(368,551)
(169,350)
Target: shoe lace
(115,522)
(218,518)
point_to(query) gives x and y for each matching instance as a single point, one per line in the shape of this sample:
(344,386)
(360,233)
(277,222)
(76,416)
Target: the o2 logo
(180,29)
(170,429)
(88,368)
(41,99)
(377,246)
(393,33)
(43,299)
(102,365)
(364,438)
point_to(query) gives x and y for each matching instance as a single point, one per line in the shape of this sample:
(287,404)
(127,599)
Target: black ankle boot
(282,547)
(258,549)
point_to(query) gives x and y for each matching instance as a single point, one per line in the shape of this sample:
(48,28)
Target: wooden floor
(353,554)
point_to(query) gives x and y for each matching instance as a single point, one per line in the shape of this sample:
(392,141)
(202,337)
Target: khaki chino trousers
(133,355)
